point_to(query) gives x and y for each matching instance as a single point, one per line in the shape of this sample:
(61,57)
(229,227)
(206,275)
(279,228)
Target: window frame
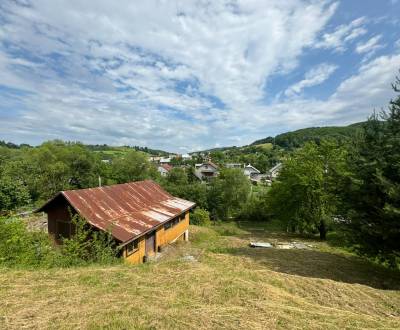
(135,247)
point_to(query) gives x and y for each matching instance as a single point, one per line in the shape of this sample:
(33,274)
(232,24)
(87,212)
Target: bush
(88,246)
(19,247)
(22,248)
(200,217)
(256,209)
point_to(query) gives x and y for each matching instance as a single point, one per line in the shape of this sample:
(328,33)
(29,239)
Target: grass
(230,286)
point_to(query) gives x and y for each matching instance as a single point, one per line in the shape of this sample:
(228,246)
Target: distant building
(164,169)
(106,161)
(234,165)
(155,159)
(165,160)
(186,157)
(206,171)
(250,170)
(274,172)
(257,179)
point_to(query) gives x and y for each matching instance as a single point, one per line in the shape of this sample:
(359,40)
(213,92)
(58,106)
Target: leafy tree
(13,194)
(228,194)
(134,166)
(374,197)
(304,197)
(177,176)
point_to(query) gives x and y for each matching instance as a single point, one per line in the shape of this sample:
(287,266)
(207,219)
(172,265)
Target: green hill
(298,138)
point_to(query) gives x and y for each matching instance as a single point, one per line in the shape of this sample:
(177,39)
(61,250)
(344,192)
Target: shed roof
(128,210)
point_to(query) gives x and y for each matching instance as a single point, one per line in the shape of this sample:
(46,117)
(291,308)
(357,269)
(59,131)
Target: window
(131,247)
(172,223)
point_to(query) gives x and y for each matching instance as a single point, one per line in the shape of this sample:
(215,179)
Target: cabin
(206,171)
(141,216)
(164,169)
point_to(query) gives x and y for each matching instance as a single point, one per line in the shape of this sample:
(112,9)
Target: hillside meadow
(214,281)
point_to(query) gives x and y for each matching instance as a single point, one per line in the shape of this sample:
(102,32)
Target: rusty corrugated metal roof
(128,210)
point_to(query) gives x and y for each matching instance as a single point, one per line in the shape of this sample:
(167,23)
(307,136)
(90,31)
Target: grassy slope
(231,286)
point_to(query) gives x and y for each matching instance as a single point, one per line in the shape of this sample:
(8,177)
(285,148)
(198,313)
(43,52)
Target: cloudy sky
(185,75)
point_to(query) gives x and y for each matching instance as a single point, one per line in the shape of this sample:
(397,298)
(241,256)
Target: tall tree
(304,196)
(374,199)
(228,194)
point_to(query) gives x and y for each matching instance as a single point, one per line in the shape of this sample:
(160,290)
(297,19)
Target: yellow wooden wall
(163,237)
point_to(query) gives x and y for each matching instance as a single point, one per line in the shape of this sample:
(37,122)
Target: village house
(233,165)
(165,160)
(250,170)
(206,171)
(186,157)
(141,216)
(164,169)
(274,172)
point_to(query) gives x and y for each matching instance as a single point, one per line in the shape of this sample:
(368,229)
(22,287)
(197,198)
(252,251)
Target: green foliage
(200,217)
(177,176)
(374,193)
(305,196)
(13,194)
(22,248)
(87,246)
(228,194)
(296,139)
(256,208)
(178,184)
(18,247)
(134,166)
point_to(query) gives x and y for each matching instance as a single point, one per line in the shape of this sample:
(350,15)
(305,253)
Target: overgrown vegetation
(22,248)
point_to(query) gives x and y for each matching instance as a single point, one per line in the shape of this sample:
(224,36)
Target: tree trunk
(322,230)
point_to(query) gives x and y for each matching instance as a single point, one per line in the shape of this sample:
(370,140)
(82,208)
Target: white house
(250,170)
(186,157)
(206,171)
(233,165)
(164,169)
(165,160)
(274,172)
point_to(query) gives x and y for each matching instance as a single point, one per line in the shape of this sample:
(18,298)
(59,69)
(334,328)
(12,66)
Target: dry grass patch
(230,286)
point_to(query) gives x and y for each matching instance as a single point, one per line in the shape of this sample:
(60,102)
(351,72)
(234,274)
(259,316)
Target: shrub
(22,248)
(19,247)
(88,246)
(200,217)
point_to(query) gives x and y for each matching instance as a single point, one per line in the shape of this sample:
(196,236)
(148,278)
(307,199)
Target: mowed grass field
(228,286)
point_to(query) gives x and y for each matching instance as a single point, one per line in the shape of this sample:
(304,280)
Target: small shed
(141,216)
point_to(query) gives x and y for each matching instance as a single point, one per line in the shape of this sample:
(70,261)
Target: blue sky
(188,75)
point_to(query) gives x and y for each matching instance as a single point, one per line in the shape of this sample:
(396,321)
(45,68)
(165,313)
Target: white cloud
(315,76)
(155,73)
(342,35)
(369,46)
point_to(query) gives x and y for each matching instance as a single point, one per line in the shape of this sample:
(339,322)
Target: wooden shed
(141,216)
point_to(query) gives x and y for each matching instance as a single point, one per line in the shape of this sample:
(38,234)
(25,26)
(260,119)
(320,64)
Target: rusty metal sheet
(126,210)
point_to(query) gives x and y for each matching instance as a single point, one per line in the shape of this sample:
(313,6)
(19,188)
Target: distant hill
(297,138)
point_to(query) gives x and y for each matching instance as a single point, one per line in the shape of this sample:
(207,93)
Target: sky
(183,75)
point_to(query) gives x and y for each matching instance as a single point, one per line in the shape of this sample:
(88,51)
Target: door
(151,244)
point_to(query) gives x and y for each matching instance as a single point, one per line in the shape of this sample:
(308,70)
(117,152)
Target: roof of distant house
(166,167)
(127,210)
(251,166)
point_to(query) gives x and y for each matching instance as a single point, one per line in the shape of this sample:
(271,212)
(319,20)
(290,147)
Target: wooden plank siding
(163,237)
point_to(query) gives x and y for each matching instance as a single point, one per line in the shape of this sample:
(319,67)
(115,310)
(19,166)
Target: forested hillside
(298,138)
